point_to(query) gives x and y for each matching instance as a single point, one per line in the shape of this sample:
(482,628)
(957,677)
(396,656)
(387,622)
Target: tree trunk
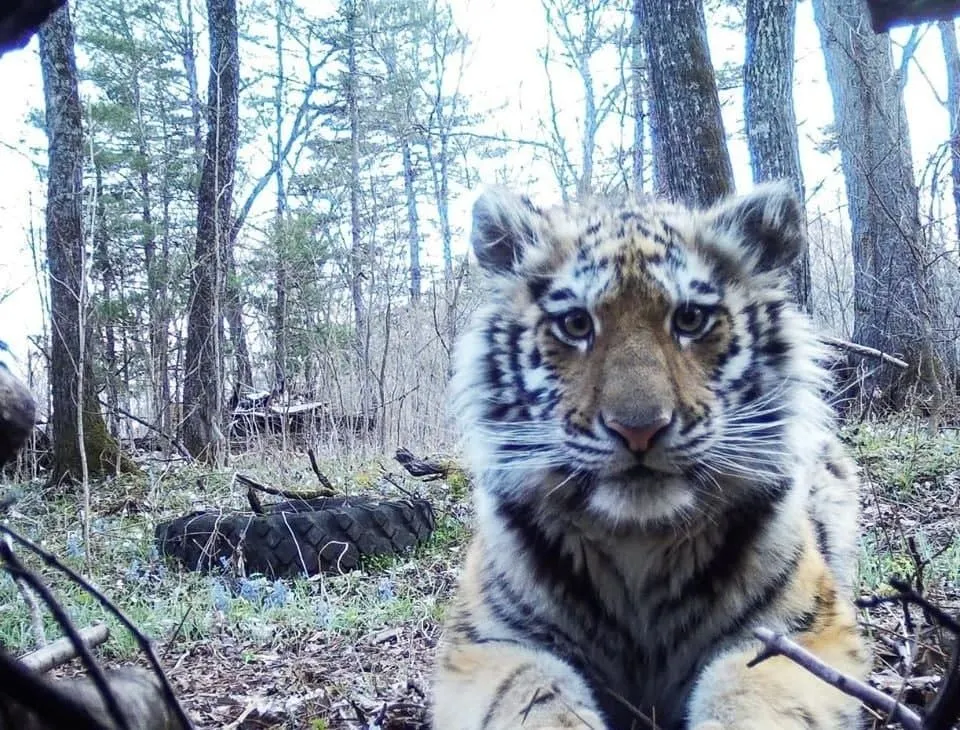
(895,309)
(413,220)
(637,92)
(689,145)
(103,264)
(358,252)
(233,310)
(280,285)
(768,109)
(189,57)
(65,254)
(951,56)
(158,277)
(203,380)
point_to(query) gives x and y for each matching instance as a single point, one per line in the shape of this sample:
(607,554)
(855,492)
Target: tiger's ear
(763,229)
(504,227)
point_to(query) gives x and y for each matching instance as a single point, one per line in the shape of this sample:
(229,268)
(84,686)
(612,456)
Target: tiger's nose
(638,436)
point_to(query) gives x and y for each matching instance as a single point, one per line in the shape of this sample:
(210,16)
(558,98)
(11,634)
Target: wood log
(63,650)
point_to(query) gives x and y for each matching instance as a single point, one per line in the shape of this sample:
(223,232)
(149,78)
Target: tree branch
(779,645)
(864,350)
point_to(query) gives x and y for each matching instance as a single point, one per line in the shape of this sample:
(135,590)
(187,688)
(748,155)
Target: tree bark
(895,308)
(65,254)
(358,251)
(691,161)
(638,93)
(413,220)
(203,380)
(189,57)
(951,56)
(768,110)
(103,264)
(280,284)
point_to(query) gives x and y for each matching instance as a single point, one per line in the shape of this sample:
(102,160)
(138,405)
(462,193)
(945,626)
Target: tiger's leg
(778,693)
(485,680)
(501,686)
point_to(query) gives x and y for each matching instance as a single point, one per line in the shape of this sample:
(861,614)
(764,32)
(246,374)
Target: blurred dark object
(17,412)
(885,14)
(20,19)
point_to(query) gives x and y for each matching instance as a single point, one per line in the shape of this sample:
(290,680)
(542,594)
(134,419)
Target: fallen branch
(286,494)
(864,350)
(321,477)
(420,467)
(63,650)
(777,644)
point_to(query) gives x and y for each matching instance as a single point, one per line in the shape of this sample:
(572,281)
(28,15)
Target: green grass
(909,479)
(903,465)
(903,456)
(169,603)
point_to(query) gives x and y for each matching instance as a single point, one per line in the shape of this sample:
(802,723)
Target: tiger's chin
(656,500)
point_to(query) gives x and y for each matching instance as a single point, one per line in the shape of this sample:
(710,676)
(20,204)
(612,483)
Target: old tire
(297,538)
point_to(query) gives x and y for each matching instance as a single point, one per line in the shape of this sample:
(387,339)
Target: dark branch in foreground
(885,14)
(178,718)
(20,19)
(779,645)
(18,570)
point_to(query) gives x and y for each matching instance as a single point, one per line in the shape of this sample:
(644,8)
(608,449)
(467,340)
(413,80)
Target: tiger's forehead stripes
(622,252)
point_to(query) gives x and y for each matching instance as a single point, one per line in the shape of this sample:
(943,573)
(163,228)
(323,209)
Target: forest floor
(354,650)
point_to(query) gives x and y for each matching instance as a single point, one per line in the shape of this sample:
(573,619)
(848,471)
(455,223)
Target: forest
(236,265)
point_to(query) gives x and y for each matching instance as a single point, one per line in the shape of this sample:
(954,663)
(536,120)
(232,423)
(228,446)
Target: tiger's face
(639,360)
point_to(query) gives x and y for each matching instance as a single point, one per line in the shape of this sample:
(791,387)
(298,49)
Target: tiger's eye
(690,319)
(577,324)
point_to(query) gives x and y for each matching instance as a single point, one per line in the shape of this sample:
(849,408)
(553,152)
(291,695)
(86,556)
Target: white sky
(503,70)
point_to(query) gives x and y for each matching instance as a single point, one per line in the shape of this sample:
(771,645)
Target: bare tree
(358,251)
(691,161)
(895,309)
(638,92)
(76,413)
(951,56)
(583,29)
(203,379)
(768,109)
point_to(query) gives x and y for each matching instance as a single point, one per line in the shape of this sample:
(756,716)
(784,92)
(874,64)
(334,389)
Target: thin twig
(159,431)
(778,644)
(36,617)
(865,351)
(905,592)
(142,641)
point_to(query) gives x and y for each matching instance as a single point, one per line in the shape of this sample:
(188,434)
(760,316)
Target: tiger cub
(657,474)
